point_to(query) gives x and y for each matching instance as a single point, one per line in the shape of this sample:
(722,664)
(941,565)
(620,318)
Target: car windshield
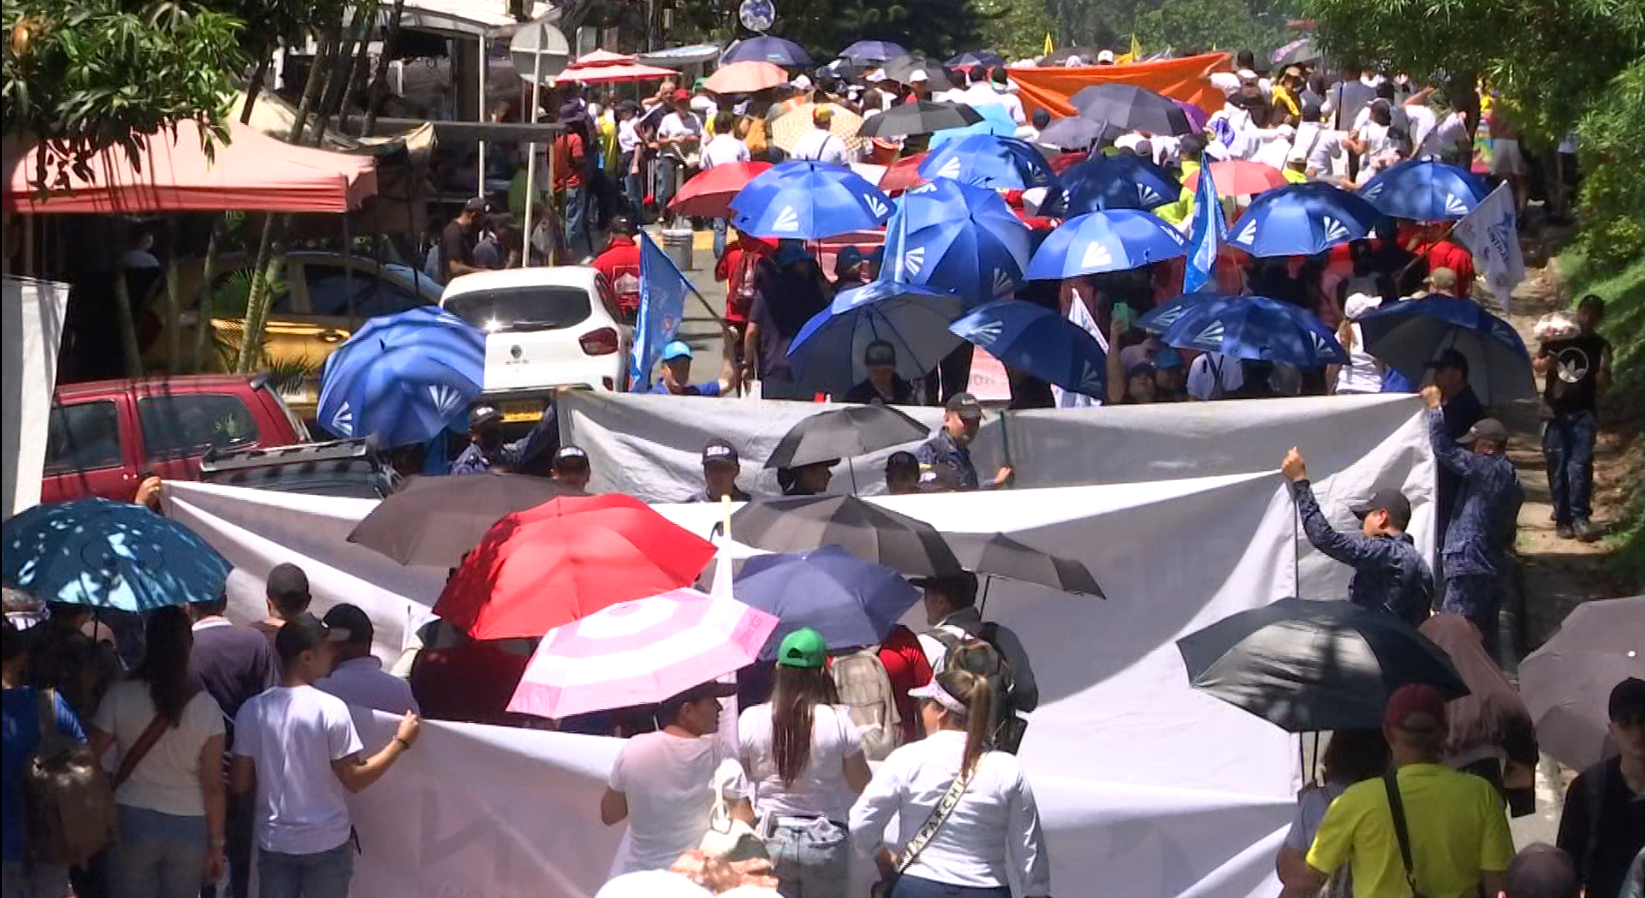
(522,308)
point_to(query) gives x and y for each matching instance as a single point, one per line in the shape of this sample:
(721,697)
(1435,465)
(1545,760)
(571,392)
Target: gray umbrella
(1407,334)
(998,555)
(1076,132)
(884,537)
(845,433)
(1567,683)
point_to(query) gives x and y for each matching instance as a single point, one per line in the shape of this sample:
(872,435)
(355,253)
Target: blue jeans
(811,861)
(158,855)
(577,240)
(1568,448)
(322,875)
(914,887)
(20,880)
(632,185)
(719,238)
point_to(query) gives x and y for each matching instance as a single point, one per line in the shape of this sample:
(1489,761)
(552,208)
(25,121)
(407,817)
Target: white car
(546,328)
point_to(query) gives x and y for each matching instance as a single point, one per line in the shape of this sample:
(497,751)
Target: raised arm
(1447,451)
(1347,548)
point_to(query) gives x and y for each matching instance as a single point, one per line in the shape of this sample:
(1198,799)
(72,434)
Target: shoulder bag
(928,831)
(1390,781)
(728,838)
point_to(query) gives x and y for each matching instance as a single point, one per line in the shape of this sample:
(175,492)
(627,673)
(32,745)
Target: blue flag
(662,305)
(1209,231)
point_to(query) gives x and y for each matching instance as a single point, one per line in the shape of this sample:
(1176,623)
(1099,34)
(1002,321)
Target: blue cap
(1168,358)
(676,350)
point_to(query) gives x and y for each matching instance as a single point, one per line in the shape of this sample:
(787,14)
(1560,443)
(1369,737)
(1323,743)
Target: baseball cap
(570,457)
(720,452)
(1449,358)
(682,95)
(1485,429)
(918,77)
(1142,367)
(1359,304)
(1442,279)
(1541,871)
(1415,708)
(1168,358)
(302,633)
(1390,500)
(1627,698)
(962,585)
(1105,56)
(481,415)
(965,404)
(803,648)
(475,204)
(350,621)
(288,582)
(822,115)
(879,352)
(677,350)
(570,112)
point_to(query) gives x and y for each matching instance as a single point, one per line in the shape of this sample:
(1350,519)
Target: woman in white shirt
(993,830)
(171,803)
(805,762)
(1363,373)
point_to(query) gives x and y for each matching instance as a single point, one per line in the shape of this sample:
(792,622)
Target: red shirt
(569,158)
(1446,254)
(736,268)
(620,263)
(906,665)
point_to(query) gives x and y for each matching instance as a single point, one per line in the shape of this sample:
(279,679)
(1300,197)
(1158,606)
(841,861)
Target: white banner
(31,329)
(1492,232)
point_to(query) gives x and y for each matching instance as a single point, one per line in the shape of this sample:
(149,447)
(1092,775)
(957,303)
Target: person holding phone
(1127,384)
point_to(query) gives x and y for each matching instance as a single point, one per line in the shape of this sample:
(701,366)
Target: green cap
(802,648)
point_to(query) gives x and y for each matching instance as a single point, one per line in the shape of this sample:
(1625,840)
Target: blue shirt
(1481,529)
(19,738)
(949,462)
(1389,573)
(708,389)
(474,460)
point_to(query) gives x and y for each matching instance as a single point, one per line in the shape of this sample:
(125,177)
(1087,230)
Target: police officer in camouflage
(947,456)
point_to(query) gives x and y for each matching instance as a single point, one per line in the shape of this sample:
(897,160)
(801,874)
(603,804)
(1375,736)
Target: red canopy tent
(250,172)
(603,67)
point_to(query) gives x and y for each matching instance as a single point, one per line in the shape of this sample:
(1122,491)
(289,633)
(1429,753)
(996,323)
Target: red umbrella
(709,194)
(1240,177)
(1065,161)
(902,175)
(566,559)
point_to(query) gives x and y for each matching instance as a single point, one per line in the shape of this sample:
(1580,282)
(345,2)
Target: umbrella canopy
(809,200)
(995,121)
(903,174)
(1567,683)
(849,601)
(765,48)
(872,533)
(959,239)
(872,51)
(845,433)
(985,58)
(105,554)
(1256,327)
(566,559)
(827,353)
(903,71)
(1131,108)
(639,652)
(1425,191)
(1116,182)
(403,378)
(1296,52)
(796,123)
(1407,334)
(604,67)
(923,117)
(998,555)
(1302,220)
(435,521)
(1197,118)
(1239,177)
(1075,133)
(988,160)
(1165,314)
(709,194)
(1034,339)
(1308,666)
(745,77)
(1115,240)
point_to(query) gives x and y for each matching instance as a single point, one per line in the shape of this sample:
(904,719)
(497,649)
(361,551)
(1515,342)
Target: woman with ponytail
(966,811)
(171,797)
(805,759)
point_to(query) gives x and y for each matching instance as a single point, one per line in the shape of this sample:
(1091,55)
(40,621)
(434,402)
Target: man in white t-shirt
(822,145)
(1007,97)
(358,677)
(298,748)
(1315,147)
(726,148)
(662,783)
(679,138)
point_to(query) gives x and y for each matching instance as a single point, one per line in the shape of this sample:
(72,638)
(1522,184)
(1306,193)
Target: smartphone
(1123,316)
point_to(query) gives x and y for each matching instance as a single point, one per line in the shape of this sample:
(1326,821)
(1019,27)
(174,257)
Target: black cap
(287,583)
(965,404)
(720,452)
(350,621)
(302,633)
(1541,871)
(475,204)
(483,414)
(1390,500)
(570,457)
(1628,698)
(879,352)
(1485,429)
(1449,358)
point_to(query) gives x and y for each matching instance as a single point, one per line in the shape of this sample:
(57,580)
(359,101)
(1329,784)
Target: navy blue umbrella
(1425,191)
(827,353)
(1256,327)
(1105,241)
(774,50)
(403,378)
(1302,220)
(1166,313)
(1122,181)
(1406,335)
(959,239)
(808,201)
(872,51)
(1036,340)
(989,160)
(849,601)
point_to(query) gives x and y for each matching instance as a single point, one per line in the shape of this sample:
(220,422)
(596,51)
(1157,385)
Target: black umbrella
(1087,55)
(1131,108)
(902,71)
(1309,666)
(1076,132)
(845,433)
(998,555)
(1297,52)
(924,117)
(872,533)
(1567,683)
(985,58)
(437,520)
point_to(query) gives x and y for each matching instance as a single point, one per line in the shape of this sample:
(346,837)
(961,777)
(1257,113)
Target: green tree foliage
(1203,24)
(938,28)
(1612,199)
(1016,29)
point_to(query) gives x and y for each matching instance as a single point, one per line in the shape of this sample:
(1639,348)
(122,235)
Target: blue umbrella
(849,601)
(1036,340)
(872,51)
(826,354)
(109,555)
(986,58)
(1302,220)
(1406,335)
(1123,181)
(1425,191)
(774,50)
(959,239)
(1256,327)
(996,122)
(1166,313)
(403,378)
(1105,241)
(809,201)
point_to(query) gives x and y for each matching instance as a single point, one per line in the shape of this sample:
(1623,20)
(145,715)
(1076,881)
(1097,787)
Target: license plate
(522,410)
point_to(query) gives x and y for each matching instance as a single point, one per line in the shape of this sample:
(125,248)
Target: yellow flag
(1123,59)
(1136,49)
(1049,47)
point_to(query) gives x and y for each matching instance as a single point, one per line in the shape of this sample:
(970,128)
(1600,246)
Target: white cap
(1105,56)
(875,76)
(802,81)
(1247,75)
(1074,61)
(1129,141)
(918,77)
(1358,304)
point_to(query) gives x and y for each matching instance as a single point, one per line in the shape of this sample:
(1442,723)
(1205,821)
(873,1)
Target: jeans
(1568,448)
(812,860)
(632,185)
(915,887)
(20,880)
(577,240)
(719,238)
(158,855)
(670,173)
(322,875)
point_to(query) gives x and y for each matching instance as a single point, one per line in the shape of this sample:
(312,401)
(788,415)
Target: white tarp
(31,328)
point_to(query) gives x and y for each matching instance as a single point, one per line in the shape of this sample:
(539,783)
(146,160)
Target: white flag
(1080,315)
(1492,232)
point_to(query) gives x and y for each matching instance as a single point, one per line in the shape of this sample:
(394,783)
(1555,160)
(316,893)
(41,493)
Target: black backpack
(981,655)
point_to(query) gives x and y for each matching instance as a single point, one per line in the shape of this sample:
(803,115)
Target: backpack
(67,798)
(981,655)
(865,689)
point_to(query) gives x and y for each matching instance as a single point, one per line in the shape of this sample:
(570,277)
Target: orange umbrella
(903,174)
(1239,177)
(745,77)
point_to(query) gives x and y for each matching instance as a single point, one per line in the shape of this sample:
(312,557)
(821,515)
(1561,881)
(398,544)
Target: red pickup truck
(104,435)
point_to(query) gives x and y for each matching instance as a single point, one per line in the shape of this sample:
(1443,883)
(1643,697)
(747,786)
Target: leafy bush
(1612,199)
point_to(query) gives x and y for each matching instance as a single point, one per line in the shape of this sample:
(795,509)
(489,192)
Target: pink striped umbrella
(639,652)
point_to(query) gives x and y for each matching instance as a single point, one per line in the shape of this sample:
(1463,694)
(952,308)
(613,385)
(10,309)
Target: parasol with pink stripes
(639,652)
